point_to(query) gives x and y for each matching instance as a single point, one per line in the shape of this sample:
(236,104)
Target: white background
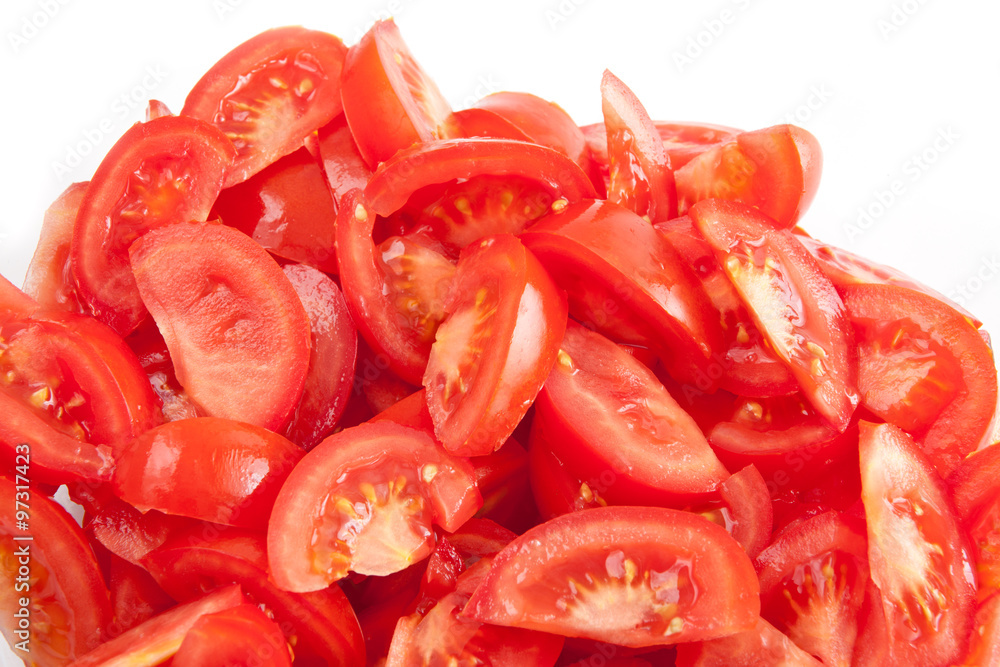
(884,78)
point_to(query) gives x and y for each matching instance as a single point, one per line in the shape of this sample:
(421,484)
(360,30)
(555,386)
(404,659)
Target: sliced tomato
(51,578)
(792,303)
(924,367)
(872,646)
(812,584)
(364,500)
(443,635)
(475,122)
(331,358)
(669,576)
(287,208)
(625,280)
(201,470)
(389,101)
(158,639)
(321,626)
(845,268)
(749,515)
(343,165)
(49,280)
(135,595)
(154,357)
(241,635)
(977,500)
(984,641)
(786,440)
(395,291)
(776,170)
(640,178)
(495,348)
(269,93)
(503,482)
(125,531)
(236,330)
(382,389)
(749,367)
(762,645)
(917,552)
(607,418)
(14,303)
(681,141)
(157,109)
(167,170)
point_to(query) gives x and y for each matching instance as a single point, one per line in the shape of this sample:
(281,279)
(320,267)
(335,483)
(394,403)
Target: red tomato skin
(14,304)
(343,165)
(332,354)
(984,641)
(746,494)
(762,645)
(157,640)
(239,635)
(730,604)
(287,208)
(595,441)
(202,470)
(963,424)
(240,352)
(977,500)
(524,341)
(811,308)
(49,280)
(295,108)
(135,595)
(681,141)
(57,552)
(383,111)
(106,223)
(895,471)
(419,166)
(618,271)
(474,122)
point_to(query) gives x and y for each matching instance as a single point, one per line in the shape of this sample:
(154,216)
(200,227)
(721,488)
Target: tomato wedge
(495,348)
(13,302)
(201,470)
(343,165)
(287,208)
(762,645)
(977,500)
(640,178)
(608,419)
(167,170)
(924,367)
(625,280)
(135,595)
(363,500)
(389,101)
(475,122)
(812,584)
(236,330)
(917,551)
(776,170)
(984,641)
(51,578)
(49,280)
(269,93)
(681,141)
(792,303)
(237,636)
(669,576)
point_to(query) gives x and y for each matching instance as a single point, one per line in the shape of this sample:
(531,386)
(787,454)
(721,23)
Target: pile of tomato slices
(342,376)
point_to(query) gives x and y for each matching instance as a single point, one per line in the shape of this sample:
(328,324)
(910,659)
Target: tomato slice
(924,367)
(158,639)
(812,584)
(984,641)
(154,357)
(443,635)
(681,141)
(625,280)
(287,208)
(776,170)
(792,303)
(167,170)
(126,532)
(332,356)
(202,469)
(916,550)
(669,575)
(389,101)
(14,303)
(762,645)
(52,567)
(475,122)
(603,414)
(240,635)
(640,177)
(321,626)
(364,500)
(749,514)
(750,367)
(135,595)
(343,165)
(49,280)
(495,348)
(977,500)
(269,93)
(236,330)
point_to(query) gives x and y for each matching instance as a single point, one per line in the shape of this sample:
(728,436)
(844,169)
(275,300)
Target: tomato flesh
(49,280)
(762,645)
(234,636)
